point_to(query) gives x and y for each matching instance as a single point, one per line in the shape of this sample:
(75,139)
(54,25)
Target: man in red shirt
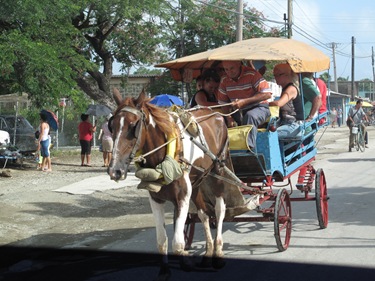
(245,89)
(85,130)
(323,91)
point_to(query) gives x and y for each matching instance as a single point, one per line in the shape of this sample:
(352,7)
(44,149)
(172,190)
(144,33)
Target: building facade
(132,85)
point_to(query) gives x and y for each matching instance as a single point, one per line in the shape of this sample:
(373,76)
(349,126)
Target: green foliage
(325,77)
(35,50)
(70,49)
(164,84)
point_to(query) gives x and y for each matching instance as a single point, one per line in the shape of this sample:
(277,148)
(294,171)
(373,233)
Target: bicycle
(359,138)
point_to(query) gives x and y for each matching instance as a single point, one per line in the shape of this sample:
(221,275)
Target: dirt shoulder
(32,214)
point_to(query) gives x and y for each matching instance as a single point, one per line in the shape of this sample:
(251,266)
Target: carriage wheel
(189,231)
(321,198)
(282,220)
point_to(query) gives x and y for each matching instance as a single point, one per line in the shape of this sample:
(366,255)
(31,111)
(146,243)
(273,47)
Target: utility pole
(290,18)
(334,66)
(239,20)
(353,42)
(373,72)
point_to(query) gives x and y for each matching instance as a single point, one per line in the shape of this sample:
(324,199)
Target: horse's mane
(159,115)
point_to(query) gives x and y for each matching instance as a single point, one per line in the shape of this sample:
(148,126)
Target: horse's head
(126,126)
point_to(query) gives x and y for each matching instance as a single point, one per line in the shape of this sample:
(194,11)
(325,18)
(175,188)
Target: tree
(48,52)
(125,31)
(35,50)
(325,77)
(194,27)
(70,49)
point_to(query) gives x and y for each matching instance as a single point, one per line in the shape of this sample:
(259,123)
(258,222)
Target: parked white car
(4,139)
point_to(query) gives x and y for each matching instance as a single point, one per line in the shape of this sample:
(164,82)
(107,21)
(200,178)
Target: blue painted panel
(268,146)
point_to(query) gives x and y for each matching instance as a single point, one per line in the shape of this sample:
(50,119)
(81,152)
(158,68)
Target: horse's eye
(110,124)
(132,128)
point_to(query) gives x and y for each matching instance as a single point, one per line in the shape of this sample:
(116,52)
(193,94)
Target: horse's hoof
(187,263)
(218,262)
(206,262)
(164,273)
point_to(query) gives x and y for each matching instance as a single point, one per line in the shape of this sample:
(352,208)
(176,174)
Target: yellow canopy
(300,56)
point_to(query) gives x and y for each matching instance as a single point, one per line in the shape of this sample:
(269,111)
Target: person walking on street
(85,130)
(339,116)
(355,117)
(333,117)
(105,136)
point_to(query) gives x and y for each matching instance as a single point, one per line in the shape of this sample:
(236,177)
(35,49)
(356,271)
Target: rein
(141,115)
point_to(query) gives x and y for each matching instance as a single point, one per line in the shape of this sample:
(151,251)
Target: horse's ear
(140,98)
(117,96)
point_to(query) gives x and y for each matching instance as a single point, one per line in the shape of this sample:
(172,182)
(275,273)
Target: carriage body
(274,157)
(276,161)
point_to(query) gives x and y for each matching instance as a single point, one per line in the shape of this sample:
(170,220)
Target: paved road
(343,251)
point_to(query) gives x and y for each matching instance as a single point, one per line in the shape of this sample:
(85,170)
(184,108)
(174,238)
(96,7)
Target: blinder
(110,124)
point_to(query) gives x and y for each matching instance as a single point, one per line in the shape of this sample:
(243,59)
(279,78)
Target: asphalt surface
(349,236)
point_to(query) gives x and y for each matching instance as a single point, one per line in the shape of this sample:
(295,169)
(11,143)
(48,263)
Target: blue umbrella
(51,119)
(166,100)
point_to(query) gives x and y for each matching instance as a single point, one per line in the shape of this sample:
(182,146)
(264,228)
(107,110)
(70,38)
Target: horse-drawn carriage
(221,177)
(268,171)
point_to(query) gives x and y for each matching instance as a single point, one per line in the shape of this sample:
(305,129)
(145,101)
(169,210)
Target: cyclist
(355,117)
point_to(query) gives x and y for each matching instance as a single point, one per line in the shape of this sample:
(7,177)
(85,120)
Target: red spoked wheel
(321,198)
(282,220)
(189,230)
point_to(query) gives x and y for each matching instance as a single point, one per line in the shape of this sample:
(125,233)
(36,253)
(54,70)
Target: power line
(297,29)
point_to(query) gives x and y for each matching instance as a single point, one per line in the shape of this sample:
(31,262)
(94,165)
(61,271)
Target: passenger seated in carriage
(311,96)
(290,103)
(206,95)
(248,91)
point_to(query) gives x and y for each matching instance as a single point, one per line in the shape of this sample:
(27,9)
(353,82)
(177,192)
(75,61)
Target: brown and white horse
(139,127)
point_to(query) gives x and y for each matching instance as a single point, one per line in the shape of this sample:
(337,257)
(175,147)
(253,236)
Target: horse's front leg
(181,212)
(161,233)
(178,243)
(220,214)
(161,238)
(207,258)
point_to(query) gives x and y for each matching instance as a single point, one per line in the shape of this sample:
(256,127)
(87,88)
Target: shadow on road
(51,264)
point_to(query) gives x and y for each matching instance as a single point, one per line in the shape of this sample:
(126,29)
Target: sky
(320,23)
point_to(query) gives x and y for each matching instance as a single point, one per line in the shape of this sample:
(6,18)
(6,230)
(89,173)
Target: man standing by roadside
(85,130)
(248,91)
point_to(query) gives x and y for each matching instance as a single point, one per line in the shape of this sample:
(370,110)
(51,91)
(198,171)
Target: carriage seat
(274,110)
(238,135)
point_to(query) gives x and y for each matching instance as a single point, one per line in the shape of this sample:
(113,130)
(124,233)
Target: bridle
(138,129)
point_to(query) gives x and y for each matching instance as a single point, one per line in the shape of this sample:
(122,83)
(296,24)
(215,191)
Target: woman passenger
(206,96)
